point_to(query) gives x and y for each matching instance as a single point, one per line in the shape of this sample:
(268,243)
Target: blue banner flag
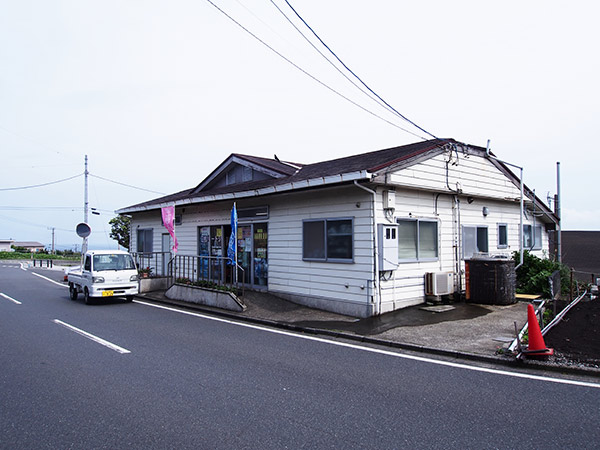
(232,247)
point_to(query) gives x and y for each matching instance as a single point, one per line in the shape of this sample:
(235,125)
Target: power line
(31,224)
(40,208)
(127,185)
(326,58)
(31,140)
(356,76)
(40,185)
(307,73)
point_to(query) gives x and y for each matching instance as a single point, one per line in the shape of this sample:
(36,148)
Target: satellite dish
(83,230)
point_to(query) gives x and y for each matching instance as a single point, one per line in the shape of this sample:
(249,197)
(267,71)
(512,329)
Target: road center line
(10,298)
(380,351)
(96,339)
(48,279)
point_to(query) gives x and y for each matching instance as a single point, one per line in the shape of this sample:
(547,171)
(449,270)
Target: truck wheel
(86,296)
(72,292)
(129,298)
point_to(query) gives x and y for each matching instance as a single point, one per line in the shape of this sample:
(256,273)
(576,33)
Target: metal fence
(156,264)
(207,271)
(204,271)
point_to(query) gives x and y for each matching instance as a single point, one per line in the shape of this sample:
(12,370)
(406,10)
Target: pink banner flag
(168,218)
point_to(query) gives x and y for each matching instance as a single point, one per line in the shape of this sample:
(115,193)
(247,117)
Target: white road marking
(96,339)
(23,267)
(10,298)
(48,279)
(380,351)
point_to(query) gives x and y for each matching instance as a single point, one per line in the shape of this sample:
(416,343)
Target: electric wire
(40,208)
(356,76)
(307,73)
(41,185)
(126,185)
(31,224)
(326,58)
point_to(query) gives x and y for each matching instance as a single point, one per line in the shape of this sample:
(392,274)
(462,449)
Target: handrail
(206,270)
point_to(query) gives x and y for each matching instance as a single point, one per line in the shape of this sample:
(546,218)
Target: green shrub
(532,276)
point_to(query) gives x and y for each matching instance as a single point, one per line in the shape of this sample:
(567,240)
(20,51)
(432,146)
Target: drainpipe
(489,155)
(375,247)
(521,228)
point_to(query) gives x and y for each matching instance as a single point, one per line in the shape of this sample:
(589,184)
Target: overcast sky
(158,93)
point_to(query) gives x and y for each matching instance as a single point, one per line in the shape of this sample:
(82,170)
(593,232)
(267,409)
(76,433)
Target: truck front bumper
(114,290)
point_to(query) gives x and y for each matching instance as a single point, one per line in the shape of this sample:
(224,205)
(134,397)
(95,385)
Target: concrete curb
(505,361)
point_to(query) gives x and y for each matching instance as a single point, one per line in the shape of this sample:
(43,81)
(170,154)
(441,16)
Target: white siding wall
(336,286)
(476,176)
(348,283)
(406,285)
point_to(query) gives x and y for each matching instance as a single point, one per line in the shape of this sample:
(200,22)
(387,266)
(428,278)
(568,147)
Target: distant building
(5,245)
(31,246)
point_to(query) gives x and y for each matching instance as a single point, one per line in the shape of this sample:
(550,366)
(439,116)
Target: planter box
(153,284)
(206,296)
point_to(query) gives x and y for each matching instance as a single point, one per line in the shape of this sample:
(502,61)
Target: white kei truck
(104,274)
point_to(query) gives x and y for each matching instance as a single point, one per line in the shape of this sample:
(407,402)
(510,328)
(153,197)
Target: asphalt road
(181,380)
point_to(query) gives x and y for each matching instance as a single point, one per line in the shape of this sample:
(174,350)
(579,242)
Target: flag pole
(236,245)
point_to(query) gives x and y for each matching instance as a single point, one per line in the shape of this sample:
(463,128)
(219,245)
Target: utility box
(389,200)
(388,246)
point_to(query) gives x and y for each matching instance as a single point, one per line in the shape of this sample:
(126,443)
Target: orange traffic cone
(537,347)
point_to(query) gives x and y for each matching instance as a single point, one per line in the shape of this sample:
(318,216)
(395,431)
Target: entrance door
(244,252)
(166,253)
(261,267)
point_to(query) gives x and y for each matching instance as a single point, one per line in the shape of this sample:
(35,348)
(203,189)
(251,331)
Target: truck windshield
(113,262)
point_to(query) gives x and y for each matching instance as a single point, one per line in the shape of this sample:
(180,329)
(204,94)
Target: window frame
(501,245)
(532,236)
(477,228)
(137,243)
(326,257)
(418,257)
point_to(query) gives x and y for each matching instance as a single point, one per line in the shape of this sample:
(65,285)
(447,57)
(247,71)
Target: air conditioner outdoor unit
(439,283)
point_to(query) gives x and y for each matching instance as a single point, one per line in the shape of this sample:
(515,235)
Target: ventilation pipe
(489,155)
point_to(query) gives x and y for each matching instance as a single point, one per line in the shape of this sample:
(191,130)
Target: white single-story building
(6,245)
(356,235)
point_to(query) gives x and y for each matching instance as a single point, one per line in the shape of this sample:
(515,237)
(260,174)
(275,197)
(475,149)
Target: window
(258,212)
(238,174)
(328,240)
(532,241)
(502,235)
(417,240)
(144,241)
(113,262)
(475,240)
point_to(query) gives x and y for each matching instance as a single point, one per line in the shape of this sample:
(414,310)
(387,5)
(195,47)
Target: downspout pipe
(376,248)
(489,155)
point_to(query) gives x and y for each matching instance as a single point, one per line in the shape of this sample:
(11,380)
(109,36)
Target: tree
(119,230)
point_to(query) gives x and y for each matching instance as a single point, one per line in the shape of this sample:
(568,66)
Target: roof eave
(274,189)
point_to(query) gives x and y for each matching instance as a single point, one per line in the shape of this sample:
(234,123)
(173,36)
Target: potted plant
(145,272)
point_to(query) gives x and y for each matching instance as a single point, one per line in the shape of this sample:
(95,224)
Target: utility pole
(557,207)
(85,193)
(53,240)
